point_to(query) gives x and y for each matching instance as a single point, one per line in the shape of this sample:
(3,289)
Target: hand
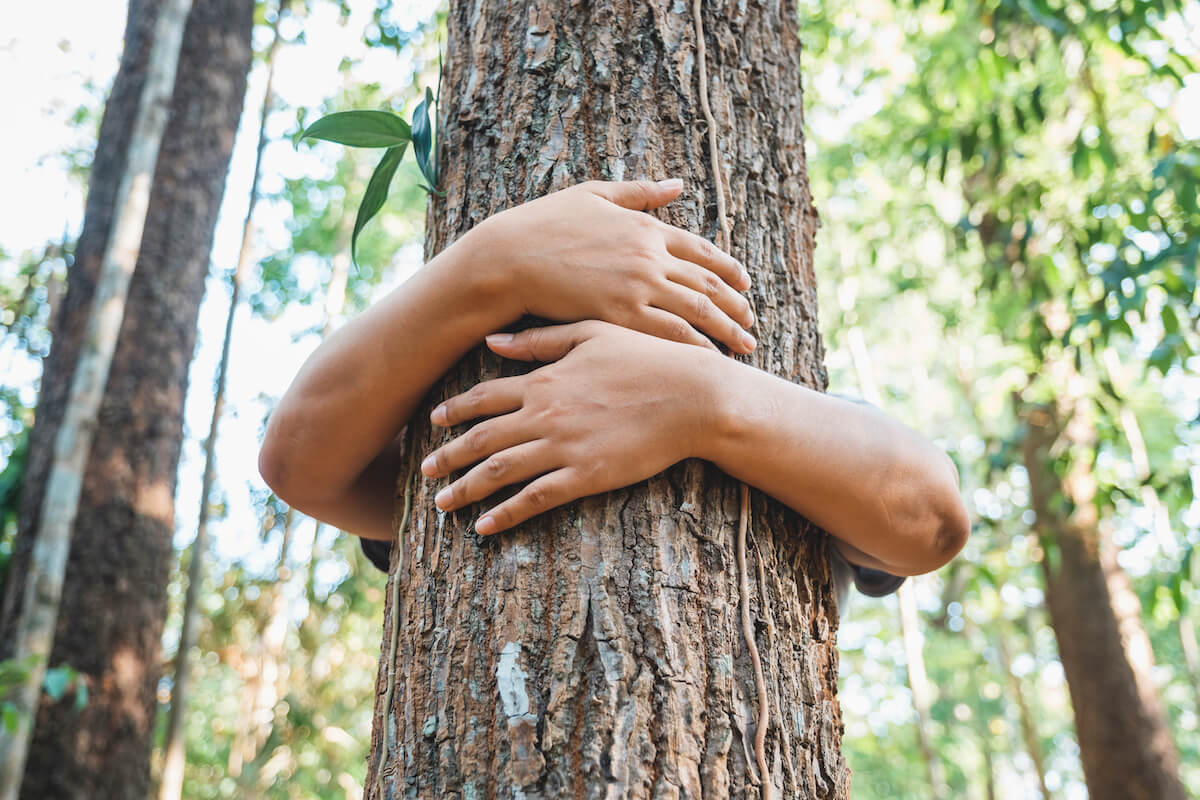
(588,252)
(615,408)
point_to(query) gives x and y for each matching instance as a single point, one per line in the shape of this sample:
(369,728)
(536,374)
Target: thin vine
(760,682)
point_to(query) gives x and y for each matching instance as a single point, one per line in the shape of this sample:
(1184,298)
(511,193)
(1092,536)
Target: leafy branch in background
(387,130)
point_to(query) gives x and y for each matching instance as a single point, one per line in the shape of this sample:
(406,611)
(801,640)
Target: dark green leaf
(11,717)
(422,139)
(376,193)
(361,129)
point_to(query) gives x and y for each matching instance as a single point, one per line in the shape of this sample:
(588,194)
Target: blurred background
(1008,196)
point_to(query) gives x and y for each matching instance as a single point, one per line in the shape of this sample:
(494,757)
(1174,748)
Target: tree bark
(1124,742)
(174,741)
(110,621)
(598,650)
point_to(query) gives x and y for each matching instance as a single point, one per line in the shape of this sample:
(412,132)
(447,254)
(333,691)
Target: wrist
(722,422)
(474,263)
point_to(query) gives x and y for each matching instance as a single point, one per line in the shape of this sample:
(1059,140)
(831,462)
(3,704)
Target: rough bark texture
(597,651)
(1124,742)
(111,618)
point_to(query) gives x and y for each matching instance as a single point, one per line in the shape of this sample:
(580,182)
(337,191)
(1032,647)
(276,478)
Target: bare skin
(631,388)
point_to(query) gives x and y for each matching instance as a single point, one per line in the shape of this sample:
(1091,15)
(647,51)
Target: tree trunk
(1124,742)
(922,692)
(174,742)
(1029,733)
(110,622)
(598,650)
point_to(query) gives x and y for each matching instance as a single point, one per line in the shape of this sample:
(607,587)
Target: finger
(543,344)
(704,314)
(690,247)
(666,325)
(701,280)
(488,437)
(543,494)
(487,399)
(498,470)
(637,195)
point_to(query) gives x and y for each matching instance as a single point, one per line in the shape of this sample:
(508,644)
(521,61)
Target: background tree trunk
(111,617)
(175,738)
(1124,742)
(598,651)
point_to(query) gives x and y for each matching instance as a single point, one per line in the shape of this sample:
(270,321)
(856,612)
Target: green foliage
(1012,185)
(381,129)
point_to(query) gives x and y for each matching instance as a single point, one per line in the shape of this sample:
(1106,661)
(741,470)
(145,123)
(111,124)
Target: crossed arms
(629,387)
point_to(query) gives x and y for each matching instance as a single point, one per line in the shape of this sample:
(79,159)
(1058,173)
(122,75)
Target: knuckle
(701,306)
(679,330)
(712,284)
(477,440)
(537,497)
(708,250)
(496,466)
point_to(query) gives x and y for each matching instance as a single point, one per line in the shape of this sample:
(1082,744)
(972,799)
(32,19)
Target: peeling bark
(597,651)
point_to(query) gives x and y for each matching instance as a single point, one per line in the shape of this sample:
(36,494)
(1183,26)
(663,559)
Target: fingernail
(748,341)
(438,417)
(442,498)
(499,338)
(427,466)
(485,525)
(671,183)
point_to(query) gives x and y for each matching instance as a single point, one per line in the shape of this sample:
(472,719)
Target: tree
(598,649)
(171,785)
(110,621)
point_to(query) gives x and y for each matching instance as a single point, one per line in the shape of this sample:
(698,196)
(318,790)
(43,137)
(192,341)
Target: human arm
(330,448)
(615,407)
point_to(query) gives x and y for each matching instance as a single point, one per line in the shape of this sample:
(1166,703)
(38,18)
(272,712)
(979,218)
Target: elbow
(954,526)
(276,457)
(949,526)
(272,466)
(931,518)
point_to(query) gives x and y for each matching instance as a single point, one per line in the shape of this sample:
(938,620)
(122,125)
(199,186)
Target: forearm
(326,449)
(883,490)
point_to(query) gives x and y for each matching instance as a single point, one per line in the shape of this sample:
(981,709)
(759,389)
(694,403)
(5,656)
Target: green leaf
(11,717)
(376,193)
(422,139)
(56,682)
(81,693)
(1080,158)
(361,129)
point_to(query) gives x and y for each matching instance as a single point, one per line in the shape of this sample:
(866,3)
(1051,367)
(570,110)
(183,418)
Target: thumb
(541,344)
(637,195)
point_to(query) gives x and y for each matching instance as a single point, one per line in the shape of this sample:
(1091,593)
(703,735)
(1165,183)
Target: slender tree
(174,744)
(611,646)
(110,620)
